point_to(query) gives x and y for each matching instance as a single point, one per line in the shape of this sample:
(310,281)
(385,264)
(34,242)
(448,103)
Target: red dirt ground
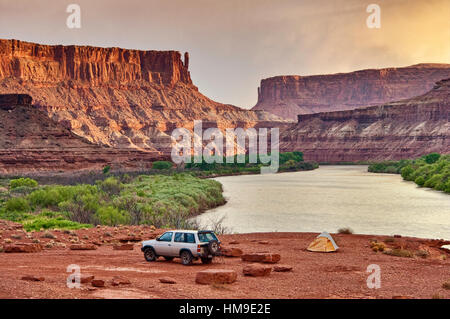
(315,275)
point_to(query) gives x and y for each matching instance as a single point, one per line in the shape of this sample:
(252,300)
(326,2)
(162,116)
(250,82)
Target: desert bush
(161,165)
(345,230)
(20,182)
(111,186)
(111,216)
(399,252)
(17,204)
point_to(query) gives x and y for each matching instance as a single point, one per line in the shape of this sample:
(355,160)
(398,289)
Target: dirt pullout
(314,275)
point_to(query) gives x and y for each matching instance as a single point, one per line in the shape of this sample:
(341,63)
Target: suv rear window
(184,238)
(207,237)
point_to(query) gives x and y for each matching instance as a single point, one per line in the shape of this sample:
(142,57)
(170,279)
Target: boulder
(167,280)
(282,268)
(216,276)
(85,279)
(98,283)
(257,270)
(124,247)
(32,278)
(127,239)
(83,247)
(268,258)
(117,281)
(231,252)
(23,248)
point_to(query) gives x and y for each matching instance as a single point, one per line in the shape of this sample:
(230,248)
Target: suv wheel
(186,257)
(206,260)
(149,254)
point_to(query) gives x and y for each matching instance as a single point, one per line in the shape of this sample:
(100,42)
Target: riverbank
(431,171)
(314,275)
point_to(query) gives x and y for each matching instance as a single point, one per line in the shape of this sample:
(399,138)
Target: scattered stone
(167,280)
(32,278)
(48,235)
(231,252)
(16,237)
(268,258)
(124,247)
(7,241)
(263,242)
(282,268)
(98,283)
(117,281)
(216,276)
(257,270)
(23,248)
(234,242)
(83,247)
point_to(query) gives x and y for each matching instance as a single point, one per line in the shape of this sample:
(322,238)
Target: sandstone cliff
(112,96)
(288,96)
(31,142)
(396,130)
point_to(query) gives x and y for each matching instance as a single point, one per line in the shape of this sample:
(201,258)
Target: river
(330,198)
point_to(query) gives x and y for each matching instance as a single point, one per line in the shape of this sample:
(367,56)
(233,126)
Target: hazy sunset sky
(233,44)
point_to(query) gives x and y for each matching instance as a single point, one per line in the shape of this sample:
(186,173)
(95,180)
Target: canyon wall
(115,97)
(30,142)
(397,130)
(288,96)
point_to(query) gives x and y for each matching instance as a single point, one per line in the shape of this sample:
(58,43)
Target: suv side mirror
(157,238)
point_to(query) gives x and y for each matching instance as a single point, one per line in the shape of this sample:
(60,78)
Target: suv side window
(189,238)
(166,237)
(179,237)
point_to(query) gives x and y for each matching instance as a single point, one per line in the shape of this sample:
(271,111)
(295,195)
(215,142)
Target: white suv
(188,245)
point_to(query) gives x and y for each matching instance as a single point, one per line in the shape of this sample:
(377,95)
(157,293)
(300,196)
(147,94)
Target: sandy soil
(315,275)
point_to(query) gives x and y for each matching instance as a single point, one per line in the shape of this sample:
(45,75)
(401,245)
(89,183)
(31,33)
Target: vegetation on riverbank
(288,162)
(159,200)
(432,170)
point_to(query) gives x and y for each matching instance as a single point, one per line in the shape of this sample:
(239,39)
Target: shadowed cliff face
(397,130)
(31,142)
(111,96)
(288,96)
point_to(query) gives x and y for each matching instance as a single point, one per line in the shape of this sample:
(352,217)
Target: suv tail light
(199,248)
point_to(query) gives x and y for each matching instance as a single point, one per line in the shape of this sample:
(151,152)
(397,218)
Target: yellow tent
(323,243)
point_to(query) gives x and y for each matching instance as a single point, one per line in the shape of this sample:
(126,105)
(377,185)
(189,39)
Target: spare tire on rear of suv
(214,248)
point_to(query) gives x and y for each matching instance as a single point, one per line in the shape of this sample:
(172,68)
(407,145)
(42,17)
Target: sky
(233,44)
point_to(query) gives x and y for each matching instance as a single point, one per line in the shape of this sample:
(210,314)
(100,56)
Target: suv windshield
(207,237)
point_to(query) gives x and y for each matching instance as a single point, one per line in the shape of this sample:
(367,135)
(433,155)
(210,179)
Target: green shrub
(162,165)
(112,216)
(17,204)
(432,158)
(21,182)
(420,180)
(106,169)
(52,223)
(110,186)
